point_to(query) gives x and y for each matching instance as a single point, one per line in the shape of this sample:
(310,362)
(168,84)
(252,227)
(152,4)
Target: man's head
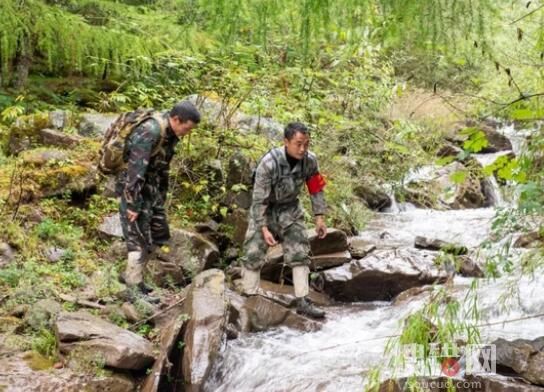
(184,116)
(296,139)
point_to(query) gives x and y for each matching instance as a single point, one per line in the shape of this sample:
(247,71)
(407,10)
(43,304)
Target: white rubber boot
(250,281)
(301,275)
(134,273)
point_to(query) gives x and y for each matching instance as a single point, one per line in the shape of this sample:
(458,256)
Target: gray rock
(169,337)
(17,375)
(59,119)
(321,262)
(381,275)
(42,157)
(55,254)
(43,314)
(373,197)
(267,127)
(532,239)
(359,247)
(264,314)
(185,255)
(421,242)
(111,227)
(118,347)
(6,254)
(238,219)
(51,137)
(95,124)
(206,307)
(524,357)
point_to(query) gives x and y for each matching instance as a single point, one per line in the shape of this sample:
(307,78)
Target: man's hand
(132,216)
(268,237)
(320,227)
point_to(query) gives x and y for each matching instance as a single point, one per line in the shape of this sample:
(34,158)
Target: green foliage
(45,343)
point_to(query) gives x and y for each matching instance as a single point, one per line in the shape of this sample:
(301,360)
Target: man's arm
(316,183)
(142,141)
(261,197)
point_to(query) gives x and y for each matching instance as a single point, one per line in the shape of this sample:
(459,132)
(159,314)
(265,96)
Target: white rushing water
(353,337)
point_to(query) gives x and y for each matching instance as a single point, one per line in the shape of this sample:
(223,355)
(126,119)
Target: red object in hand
(315,184)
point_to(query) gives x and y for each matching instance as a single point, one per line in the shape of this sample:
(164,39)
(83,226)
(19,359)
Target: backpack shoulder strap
(163,124)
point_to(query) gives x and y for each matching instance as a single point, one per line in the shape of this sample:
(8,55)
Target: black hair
(292,128)
(185,111)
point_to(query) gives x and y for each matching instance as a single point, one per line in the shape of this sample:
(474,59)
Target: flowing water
(354,336)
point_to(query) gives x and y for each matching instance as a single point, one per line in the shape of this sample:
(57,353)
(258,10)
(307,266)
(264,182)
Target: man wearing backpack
(143,185)
(276,214)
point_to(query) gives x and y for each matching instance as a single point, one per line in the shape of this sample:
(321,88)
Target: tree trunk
(22,67)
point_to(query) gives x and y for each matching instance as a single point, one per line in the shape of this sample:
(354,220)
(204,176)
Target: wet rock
(185,255)
(117,347)
(238,316)
(264,314)
(111,227)
(523,357)
(468,267)
(55,254)
(373,197)
(381,275)
(51,137)
(407,295)
(18,375)
(95,124)
(7,254)
(330,260)
(496,141)
(359,247)
(170,335)
(43,314)
(439,191)
(59,119)
(336,241)
(529,240)
(421,242)
(207,309)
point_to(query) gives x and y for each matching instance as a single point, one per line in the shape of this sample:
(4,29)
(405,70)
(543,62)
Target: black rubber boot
(305,308)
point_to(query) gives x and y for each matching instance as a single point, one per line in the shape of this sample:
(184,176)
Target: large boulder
(264,314)
(523,357)
(89,335)
(332,248)
(169,337)
(185,255)
(422,242)
(51,137)
(382,275)
(373,197)
(206,306)
(20,373)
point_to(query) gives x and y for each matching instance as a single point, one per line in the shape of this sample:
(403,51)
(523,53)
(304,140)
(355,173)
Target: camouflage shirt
(276,184)
(144,170)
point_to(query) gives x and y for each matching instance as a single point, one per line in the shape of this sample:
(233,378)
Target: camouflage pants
(287,225)
(149,229)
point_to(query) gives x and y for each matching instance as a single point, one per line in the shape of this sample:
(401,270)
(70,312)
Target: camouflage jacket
(276,184)
(146,175)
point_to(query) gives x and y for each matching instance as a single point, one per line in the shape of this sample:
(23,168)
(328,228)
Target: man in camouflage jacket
(276,213)
(144,184)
